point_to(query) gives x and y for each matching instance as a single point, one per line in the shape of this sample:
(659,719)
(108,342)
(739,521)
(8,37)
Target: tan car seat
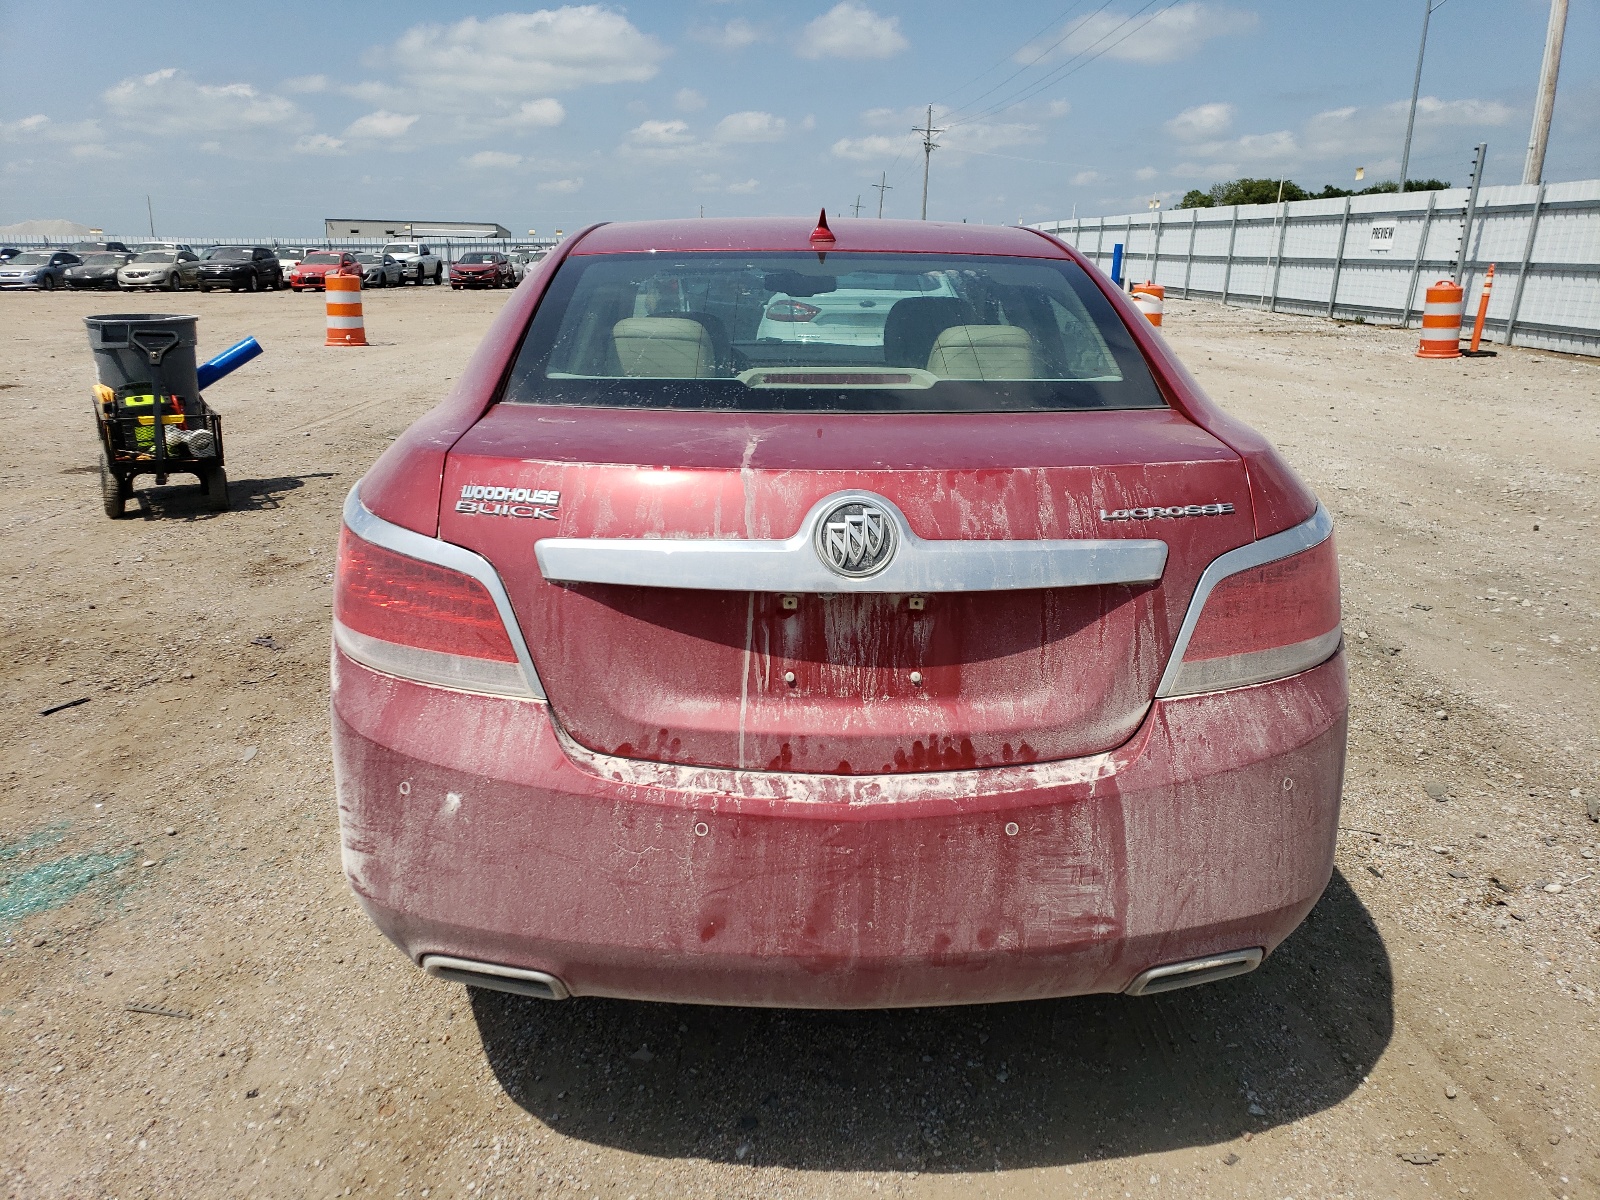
(984,352)
(663,348)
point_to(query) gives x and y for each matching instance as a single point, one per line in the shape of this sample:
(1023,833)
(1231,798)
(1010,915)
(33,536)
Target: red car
(311,271)
(884,617)
(482,268)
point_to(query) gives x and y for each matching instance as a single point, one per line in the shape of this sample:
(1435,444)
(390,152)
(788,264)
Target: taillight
(422,621)
(791,310)
(1263,622)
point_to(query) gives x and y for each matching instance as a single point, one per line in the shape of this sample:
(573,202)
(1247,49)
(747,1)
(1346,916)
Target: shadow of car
(979,1088)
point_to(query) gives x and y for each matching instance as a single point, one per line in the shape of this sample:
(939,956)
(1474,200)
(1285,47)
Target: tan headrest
(663,348)
(984,352)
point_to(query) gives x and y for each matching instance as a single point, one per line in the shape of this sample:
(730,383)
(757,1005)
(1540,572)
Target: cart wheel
(215,483)
(114,492)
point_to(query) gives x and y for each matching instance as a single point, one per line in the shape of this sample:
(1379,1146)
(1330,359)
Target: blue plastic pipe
(234,357)
(1116,277)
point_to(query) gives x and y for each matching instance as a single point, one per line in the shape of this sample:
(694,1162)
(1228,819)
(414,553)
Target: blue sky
(256,119)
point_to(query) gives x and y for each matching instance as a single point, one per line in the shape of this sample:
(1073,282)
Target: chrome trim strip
(1172,976)
(540,984)
(456,671)
(1258,666)
(792,564)
(1311,532)
(365,525)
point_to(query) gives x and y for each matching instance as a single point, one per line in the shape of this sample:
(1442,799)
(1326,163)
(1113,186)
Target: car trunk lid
(843,683)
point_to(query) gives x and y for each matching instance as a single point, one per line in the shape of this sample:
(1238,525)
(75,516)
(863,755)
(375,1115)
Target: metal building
(362,227)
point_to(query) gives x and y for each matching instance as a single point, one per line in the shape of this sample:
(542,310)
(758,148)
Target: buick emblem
(855,538)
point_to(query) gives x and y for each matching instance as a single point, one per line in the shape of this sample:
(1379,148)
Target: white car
(853,314)
(417,262)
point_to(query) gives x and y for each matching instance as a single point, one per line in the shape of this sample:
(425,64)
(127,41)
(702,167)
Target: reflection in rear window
(841,332)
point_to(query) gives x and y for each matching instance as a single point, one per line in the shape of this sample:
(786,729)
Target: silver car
(380,270)
(168,270)
(42,269)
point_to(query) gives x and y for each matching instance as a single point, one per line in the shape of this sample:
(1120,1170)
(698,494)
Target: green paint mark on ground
(50,835)
(52,884)
(49,884)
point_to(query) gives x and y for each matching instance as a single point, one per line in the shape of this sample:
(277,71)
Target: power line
(1031,63)
(1078,61)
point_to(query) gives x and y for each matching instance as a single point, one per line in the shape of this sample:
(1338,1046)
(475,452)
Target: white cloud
(1058,108)
(735,35)
(168,102)
(535,114)
(525,54)
(381,124)
(1172,34)
(1201,122)
(873,146)
(319,143)
(809,123)
(748,188)
(1145,173)
(851,31)
(561,187)
(306,84)
(660,133)
(750,127)
(492,160)
(688,100)
(1085,178)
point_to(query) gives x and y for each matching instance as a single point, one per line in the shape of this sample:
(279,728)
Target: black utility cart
(147,405)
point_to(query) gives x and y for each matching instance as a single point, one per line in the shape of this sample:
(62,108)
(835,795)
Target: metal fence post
(1155,252)
(1416,266)
(1338,258)
(1227,271)
(1277,267)
(1527,261)
(1188,266)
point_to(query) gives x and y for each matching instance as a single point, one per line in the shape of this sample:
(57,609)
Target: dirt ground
(172,844)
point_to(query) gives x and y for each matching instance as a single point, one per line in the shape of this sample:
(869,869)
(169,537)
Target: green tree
(1255,191)
(1195,198)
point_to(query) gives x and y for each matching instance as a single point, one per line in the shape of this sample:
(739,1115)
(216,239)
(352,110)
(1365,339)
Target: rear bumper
(472,829)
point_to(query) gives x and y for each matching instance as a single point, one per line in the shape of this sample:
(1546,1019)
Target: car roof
(794,233)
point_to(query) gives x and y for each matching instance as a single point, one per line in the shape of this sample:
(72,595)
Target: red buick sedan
(859,618)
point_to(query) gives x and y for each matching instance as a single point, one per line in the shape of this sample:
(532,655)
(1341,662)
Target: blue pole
(1116,264)
(227,362)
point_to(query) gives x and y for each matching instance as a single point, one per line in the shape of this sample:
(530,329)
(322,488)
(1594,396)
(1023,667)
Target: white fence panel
(1373,257)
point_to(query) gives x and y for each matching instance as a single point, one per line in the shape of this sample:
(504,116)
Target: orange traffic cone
(346,327)
(1441,321)
(1151,299)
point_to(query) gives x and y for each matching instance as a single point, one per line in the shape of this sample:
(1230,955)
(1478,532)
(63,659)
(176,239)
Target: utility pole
(883,185)
(1545,105)
(151,213)
(928,147)
(857,205)
(1416,85)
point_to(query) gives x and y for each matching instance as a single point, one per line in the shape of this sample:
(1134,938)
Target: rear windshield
(838,332)
(476,258)
(157,256)
(313,260)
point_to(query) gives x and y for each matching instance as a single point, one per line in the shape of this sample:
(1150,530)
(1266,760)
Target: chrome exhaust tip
(538,984)
(1195,971)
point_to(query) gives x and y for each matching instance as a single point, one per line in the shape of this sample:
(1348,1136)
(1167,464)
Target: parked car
(247,268)
(289,258)
(97,270)
(146,247)
(310,271)
(83,248)
(482,268)
(417,260)
(983,659)
(523,261)
(165,269)
(7,253)
(379,270)
(42,269)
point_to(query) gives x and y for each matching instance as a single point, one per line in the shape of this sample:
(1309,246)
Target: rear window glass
(476,258)
(836,332)
(324,257)
(230,254)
